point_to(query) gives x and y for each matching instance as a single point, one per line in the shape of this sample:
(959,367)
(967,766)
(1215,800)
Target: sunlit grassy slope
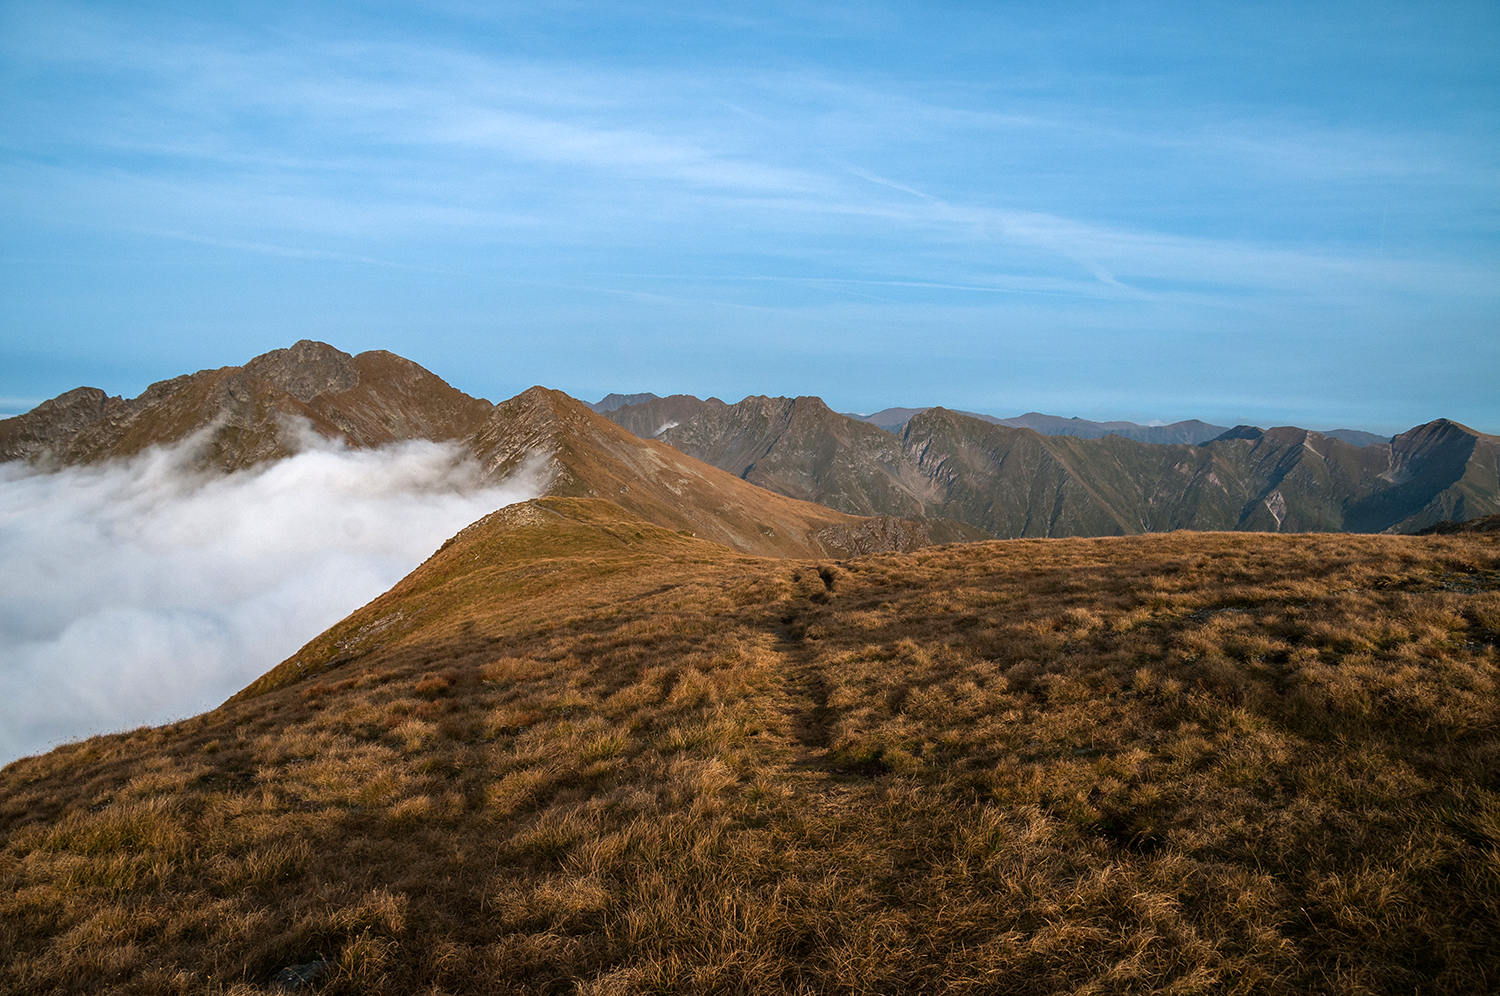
(578,753)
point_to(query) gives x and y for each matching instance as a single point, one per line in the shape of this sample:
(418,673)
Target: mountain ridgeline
(789,476)
(1012,481)
(237,418)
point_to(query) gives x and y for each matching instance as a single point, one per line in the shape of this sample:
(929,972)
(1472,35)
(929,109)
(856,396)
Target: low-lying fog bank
(141,591)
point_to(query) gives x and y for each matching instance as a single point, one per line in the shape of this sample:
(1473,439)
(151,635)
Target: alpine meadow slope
(578,752)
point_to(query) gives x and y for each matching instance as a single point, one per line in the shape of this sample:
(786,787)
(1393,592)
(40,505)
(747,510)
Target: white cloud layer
(141,592)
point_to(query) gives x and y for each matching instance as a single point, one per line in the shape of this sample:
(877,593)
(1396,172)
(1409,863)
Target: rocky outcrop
(306,370)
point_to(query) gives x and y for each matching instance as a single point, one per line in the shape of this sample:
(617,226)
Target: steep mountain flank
(1190,431)
(1016,482)
(1357,437)
(610,402)
(801,448)
(1439,471)
(251,414)
(650,418)
(949,466)
(1301,481)
(892,419)
(1283,479)
(589,456)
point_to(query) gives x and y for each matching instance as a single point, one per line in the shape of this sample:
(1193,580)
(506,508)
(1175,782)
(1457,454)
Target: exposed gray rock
(306,369)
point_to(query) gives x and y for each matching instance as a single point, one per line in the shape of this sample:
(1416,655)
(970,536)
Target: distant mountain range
(1011,480)
(1193,431)
(895,419)
(789,476)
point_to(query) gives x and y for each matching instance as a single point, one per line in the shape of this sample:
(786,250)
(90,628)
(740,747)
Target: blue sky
(1277,213)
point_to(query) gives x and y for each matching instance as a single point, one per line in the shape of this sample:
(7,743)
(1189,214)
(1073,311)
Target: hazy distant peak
(1357,437)
(1238,432)
(1187,431)
(613,402)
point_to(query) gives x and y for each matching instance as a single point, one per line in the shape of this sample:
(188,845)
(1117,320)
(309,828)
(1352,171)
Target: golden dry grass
(577,753)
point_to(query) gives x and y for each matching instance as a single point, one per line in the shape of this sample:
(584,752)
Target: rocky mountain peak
(306,369)
(614,402)
(1238,432)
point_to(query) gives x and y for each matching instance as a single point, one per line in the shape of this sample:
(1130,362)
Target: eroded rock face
(51,422)
(306,369)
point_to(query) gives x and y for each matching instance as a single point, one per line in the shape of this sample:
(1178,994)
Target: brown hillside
(578,753)
(590,456)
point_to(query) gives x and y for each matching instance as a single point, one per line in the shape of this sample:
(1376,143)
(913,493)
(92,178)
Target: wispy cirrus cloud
(487,167)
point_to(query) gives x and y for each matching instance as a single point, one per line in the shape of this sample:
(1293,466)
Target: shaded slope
(653,416)
(1357,437)
(1439,471)
(577,753)
(1487,524)
(1006,481)
(610,402)
(889,419)
(801,448)
(1280,480)
(1190,431)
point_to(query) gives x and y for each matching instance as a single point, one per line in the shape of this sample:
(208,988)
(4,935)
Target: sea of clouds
(143,591)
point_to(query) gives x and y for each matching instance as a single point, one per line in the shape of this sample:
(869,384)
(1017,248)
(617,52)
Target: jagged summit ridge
(307,369)
(371,399)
